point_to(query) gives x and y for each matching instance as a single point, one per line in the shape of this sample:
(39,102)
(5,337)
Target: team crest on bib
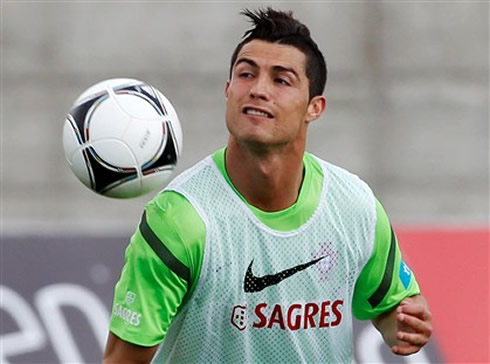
(331,259)
(130,297)
(239,317)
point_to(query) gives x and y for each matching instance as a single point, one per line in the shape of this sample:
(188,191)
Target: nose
(260,88)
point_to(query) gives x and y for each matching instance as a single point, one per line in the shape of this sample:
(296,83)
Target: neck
(268,179)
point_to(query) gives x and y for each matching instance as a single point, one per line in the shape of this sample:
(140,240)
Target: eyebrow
(276,68)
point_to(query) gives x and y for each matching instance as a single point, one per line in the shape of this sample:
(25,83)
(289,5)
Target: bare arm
(408,327)
(121,352)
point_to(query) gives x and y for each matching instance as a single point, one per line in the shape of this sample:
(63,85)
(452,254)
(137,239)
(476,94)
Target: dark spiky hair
(276,26)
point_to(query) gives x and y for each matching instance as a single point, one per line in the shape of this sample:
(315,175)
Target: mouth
(253,111)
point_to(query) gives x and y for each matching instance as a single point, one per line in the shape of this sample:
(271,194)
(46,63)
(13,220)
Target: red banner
(452,268)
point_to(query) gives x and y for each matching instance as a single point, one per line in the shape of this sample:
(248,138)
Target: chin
(260,143)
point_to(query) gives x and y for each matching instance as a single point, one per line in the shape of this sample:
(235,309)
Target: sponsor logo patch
(405,274)
(253,283)
(131,317)
(296,316)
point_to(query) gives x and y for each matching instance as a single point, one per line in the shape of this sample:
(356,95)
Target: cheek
(232,97)
(235,87)
(297,109)
(294,100)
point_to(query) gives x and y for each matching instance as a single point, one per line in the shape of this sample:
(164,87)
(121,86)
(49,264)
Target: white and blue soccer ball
(122,138)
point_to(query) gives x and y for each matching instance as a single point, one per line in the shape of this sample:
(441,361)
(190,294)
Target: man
(262,252)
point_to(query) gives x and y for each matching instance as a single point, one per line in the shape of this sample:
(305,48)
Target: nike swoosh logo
(253,283)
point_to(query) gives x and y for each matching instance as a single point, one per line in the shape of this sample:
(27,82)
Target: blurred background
(408,111)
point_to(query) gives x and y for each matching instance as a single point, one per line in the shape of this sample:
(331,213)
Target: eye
(282,81)
(245,74)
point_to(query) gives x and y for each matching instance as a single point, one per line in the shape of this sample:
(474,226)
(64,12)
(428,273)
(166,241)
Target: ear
(227,86)
(317,106)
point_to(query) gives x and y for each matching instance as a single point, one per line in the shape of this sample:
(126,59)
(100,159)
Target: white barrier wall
(407,95)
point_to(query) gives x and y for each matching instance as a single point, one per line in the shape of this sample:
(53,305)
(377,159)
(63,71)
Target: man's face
(267,96)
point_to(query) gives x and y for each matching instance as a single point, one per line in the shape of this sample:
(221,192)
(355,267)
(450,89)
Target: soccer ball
(122,138)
